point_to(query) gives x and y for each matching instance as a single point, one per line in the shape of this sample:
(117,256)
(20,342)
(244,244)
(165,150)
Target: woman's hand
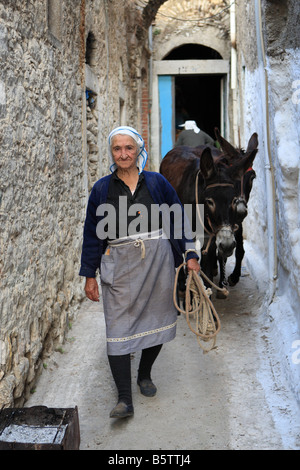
(92,289)
(193,265)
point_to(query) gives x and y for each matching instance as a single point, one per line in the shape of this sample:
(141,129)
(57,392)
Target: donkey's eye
(211,203)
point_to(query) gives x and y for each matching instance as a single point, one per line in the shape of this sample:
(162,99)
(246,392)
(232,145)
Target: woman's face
(124,151)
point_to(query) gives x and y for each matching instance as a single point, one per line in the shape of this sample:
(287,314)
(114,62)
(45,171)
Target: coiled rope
(199,307)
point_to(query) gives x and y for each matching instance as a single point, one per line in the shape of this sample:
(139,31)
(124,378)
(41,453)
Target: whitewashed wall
(283,293)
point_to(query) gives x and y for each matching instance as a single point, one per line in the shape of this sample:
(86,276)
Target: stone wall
(53,148)
(269,99)
(281,38)
(41,188)
(207,24)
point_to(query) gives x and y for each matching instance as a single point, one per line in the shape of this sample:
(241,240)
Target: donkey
(206,175)
(229,156)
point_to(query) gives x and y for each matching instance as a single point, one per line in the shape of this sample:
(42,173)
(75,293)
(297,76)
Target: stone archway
(167,74)
(198,96)
(178,25)
(150,11)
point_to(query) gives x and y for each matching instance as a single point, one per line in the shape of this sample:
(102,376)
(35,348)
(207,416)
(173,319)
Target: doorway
(190,83)
(197,98)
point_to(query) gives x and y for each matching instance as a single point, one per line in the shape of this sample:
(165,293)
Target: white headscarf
(125,130)
(191,125)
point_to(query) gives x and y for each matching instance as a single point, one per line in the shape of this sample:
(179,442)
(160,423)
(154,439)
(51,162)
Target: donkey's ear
(253,143)
(207,165)
(240,167)
(231,152)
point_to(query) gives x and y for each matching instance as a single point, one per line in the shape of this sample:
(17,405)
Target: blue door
(166,108)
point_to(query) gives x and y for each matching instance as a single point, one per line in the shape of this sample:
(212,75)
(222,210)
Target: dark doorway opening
(197,97)
(193,51)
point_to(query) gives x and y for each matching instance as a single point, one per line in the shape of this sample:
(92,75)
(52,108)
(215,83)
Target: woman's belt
(137,240)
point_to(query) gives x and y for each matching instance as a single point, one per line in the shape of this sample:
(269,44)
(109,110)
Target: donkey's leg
(222,280)
(234,277)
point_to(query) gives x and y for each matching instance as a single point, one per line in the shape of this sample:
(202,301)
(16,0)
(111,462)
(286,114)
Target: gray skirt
(137,278)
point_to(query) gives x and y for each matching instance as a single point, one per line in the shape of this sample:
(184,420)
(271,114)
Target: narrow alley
(233,397)
(225,71)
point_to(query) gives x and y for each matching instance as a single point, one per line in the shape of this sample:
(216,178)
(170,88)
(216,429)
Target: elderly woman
(137,267)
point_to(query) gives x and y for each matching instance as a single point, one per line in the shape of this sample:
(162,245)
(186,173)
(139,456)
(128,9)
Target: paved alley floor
(230,398)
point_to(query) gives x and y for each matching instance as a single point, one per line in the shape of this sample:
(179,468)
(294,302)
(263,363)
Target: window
(90,50)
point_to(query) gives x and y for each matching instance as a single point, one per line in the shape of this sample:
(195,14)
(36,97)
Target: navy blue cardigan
(93,248)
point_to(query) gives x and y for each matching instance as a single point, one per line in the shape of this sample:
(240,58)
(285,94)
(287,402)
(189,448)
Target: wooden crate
(39,428)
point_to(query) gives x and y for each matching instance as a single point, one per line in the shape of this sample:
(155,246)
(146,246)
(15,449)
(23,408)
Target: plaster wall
(281,282)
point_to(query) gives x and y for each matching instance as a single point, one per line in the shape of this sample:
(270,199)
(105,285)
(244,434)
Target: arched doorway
(190,82)
(197,97)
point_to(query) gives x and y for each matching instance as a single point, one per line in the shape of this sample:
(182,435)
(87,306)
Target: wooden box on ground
(39,428)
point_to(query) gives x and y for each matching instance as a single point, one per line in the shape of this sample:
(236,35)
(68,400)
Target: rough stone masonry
(50,156)
(41,191)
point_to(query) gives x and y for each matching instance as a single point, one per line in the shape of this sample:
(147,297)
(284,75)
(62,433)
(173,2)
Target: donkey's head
(221,204)
(230,156)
